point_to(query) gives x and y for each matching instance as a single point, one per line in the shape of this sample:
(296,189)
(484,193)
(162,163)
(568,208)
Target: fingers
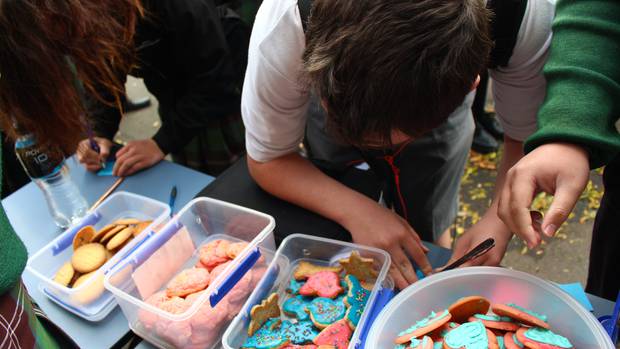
(514,207)
(397,276)
(414,249)
(104,148)
(88,157)
(564,200)
(402,262)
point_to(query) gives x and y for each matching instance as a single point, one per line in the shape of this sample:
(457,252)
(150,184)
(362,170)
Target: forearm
(583,78)
(296,180)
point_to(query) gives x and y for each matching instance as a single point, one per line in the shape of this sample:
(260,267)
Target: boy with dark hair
(395,80)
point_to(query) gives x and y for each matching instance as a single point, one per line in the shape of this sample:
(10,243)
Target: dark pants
(604,271)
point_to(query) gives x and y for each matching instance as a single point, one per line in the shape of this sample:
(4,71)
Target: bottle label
(38,162)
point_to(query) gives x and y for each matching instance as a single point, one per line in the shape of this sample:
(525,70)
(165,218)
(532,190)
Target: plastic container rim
(428,281)
(105,268)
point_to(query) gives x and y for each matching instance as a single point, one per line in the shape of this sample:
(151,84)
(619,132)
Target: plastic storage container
(174,249)
(90,300)
(566,316)
(294,249)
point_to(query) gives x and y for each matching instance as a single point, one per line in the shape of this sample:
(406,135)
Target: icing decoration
(527,311)
(545,336)
(267,337)
(500,342)
(432,317)
(359,267)
(470,335)
(438,345)
(516,340)
(322,284)
(301,332)
(294,286)
(296,307)
(356,299)
(493,317)
(325,311)
(416,343)
(336,334)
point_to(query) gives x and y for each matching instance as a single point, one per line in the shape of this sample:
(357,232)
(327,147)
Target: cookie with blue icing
(296,307)
(470,335)
(301,332)
(511,341)
(520,314)
(268,336)
(325,311)
(356,299)
(536,337)
(426,325)
(294,286)
(496,322)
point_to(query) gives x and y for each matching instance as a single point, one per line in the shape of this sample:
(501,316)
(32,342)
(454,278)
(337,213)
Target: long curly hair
(46,47)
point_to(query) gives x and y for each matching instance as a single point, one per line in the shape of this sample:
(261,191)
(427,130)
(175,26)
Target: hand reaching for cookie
(376,226)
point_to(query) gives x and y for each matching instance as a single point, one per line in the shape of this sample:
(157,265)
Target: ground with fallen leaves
(563,258)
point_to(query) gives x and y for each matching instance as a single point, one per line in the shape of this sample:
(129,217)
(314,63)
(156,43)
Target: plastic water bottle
(46,167)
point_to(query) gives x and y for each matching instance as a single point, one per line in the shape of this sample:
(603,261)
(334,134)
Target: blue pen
(93,145)
(173,198)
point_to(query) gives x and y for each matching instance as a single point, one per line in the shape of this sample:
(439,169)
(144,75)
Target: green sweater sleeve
(13,253)
(583,79)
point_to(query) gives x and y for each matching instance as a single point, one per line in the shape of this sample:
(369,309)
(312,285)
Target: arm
(583,80)
(576,123)
(490,225)
(518,90)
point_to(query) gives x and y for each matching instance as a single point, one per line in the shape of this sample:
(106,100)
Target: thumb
(564,201)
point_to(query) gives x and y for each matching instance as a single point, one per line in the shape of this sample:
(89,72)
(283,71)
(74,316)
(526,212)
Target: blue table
(31,220)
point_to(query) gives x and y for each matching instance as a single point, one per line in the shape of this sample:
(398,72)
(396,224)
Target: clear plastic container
(174,249)
(294,249)
(566,316)
(90,300)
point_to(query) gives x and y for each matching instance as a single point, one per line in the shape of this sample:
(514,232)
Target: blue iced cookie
(356,299)
(294,286)
(301,332)
(325,311)
(296,307)
(469,335)
(269,336)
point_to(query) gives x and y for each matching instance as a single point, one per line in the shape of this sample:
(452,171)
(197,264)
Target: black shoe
(491,125)
(133,105)
(483,142)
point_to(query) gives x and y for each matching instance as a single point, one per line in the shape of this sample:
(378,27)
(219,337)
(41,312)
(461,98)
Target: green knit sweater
(583,79)
(13,253)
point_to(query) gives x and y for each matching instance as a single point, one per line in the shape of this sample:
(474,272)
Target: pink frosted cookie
(187,282)
(177,333)
(214,253)
(218,270)
(322,284)
(207,320)
(235,249)
(147,318)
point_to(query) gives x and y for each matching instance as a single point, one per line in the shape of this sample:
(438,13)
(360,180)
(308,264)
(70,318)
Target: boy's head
(385,66)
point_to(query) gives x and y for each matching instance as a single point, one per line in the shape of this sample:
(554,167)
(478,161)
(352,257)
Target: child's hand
(376,226)
(90,158)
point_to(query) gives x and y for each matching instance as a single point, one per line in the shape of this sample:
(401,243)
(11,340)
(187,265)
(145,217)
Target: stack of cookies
(91,249)
(323,307)
(203,329)
(467,323)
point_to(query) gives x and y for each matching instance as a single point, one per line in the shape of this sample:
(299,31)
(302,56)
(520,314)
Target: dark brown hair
(380,65)
(38,39)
